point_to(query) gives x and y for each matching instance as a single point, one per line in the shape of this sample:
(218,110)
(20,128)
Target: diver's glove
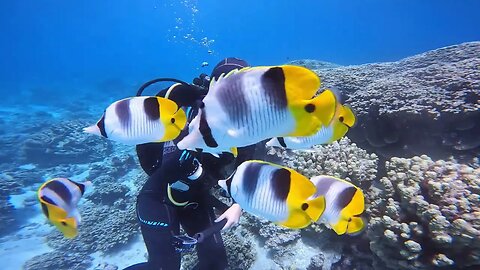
(232,215)
(190,166)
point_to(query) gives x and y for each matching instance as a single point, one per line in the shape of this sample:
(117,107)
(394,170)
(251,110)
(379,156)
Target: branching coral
(426,214)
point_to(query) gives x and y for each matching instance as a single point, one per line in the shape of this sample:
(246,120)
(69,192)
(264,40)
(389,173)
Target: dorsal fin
(212,83)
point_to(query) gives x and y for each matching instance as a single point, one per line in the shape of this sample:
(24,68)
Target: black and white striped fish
(139,120)
(344,204)
(254,104)
(59,198)
(275,193)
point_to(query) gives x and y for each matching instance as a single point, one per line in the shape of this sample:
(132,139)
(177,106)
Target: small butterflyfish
(138,120)
(344,204)
(275,193)
(343,120)
(59,198)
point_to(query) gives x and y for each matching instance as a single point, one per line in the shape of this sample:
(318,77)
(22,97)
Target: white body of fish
(262,202)
(139,129)
(323,136)
(70,207)
(331,190)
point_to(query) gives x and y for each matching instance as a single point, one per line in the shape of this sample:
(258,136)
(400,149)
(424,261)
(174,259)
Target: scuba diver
(177,192)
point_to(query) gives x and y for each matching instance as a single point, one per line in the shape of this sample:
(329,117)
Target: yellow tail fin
(356,225)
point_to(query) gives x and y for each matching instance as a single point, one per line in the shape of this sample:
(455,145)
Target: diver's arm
(232,214)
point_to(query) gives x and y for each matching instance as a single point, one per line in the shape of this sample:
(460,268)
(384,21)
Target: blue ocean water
(69,45)
(416,137)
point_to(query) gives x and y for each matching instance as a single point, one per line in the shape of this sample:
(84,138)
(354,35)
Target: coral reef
(64,143)
(342,159)
(58,260)
(107,190)
(103,228)
(426,214)
(240,252)
(425,104)
(313,64)
(8,186)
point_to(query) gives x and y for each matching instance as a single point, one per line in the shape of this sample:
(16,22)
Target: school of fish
(241,108)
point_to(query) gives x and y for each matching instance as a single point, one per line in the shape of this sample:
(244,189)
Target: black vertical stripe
(232,98)
(281,184)
(345,197)
(122,110)
(48,200)
(45,209)
(152,108)
(273,82)
(60,189)
(250,179)
(101,126)
(205,130)
(281,141)
(80,186)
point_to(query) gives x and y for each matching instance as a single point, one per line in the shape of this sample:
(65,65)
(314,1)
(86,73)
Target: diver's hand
(232,214)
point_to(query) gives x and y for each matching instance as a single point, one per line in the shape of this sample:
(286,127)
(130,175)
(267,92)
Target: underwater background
(409,69)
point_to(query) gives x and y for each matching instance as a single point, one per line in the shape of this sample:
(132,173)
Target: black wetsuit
(159,217)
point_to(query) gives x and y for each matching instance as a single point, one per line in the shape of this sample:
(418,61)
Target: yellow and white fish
(343,120)
(344,204)
(254,104)
(275,193)
(139,120)
(59,198)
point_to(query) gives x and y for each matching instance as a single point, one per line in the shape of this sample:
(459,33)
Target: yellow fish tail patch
(356,225)
(300,189)
(339,130)
(297,220)
(173,118)
(322,106)
(315,208)
(356,205)
(68,227)
(340,227)
(311,115)
(234,151)
(300,83)
(347,116)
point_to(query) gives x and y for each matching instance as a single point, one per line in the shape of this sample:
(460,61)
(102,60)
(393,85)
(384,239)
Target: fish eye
(64,223)
(310,108)
(172,120)
(341,119)
(349,219)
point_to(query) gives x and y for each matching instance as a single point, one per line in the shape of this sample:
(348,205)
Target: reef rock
(426,215)
(342,159)
(64,143)
(424,104)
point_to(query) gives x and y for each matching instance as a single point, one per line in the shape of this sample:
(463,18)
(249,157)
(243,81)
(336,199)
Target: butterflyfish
(59,198)
(343,120)
(275,193)
(344,204)
(249,105)
(138,120)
